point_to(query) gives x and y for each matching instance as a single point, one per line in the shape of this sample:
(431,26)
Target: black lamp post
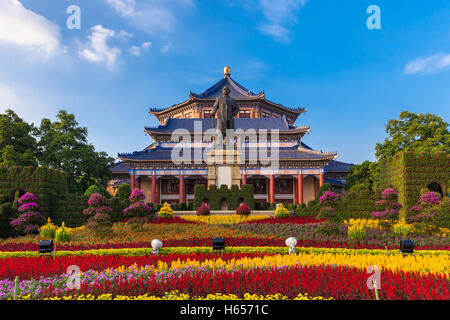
(45,246)
(406,246)
(218,243)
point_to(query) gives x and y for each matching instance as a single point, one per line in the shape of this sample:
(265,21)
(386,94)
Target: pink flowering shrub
(243,209)
(425,210)
(26,198)
(97,205)
(388,207)
(203,210)
(328,197)
(430,198)
(137,208)
(30,218)
(137,196)
(389,194)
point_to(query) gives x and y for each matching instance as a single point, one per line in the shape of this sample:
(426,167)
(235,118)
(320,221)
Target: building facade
(300,169)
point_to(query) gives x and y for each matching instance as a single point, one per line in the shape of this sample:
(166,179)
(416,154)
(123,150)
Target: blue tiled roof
(334,182)
(236,90)
(334,165)
(239,123)
(165,154)
(119,167)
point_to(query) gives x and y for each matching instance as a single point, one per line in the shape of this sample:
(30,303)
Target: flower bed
(339,282)
(223,219)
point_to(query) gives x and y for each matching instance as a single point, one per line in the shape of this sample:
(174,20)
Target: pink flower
(137,196)
(96,200)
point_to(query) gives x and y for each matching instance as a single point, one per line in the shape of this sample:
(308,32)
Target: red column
(132,181)
(158,191)
(321,179)
(182,189)
(295,185)
(316,187)
(272,189)
(153,188)
(244,179)
(300,188)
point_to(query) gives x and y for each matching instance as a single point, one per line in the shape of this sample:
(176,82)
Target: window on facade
(259,185)
(207,114)
(170,186)
(284,186)
(244,114)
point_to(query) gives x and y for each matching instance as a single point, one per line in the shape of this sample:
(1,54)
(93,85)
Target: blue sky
(130,55)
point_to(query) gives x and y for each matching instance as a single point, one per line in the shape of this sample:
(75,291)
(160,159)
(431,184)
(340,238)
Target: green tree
(364,175)
(123,192)
(17,144)
(414,132)
(63,145)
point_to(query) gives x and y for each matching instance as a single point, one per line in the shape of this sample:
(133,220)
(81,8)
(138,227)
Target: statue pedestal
(224,167)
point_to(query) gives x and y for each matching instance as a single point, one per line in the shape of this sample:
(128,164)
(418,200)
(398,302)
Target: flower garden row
(331,258)
(230,278)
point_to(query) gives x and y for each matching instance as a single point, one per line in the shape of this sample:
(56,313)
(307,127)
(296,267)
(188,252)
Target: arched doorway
(224,204)
(436,187)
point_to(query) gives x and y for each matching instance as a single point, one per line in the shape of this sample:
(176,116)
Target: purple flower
(328,196)
(96,200)
(430,198)
(137,196)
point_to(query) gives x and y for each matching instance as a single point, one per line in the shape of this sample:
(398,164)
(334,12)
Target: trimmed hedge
(50,186)
(410,172)
(215,196)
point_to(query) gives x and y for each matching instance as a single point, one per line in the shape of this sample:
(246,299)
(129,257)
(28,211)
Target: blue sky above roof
(132,55)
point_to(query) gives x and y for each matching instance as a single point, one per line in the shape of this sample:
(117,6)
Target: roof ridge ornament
(226,71)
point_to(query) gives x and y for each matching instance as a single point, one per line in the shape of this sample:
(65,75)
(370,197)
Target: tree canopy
(61,144)
(411,132)
(17,145)
(363,176)
(414,132)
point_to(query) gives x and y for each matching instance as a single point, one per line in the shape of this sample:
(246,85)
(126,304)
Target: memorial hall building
(302,170)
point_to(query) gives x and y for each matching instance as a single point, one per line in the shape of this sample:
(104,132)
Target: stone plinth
(224,167)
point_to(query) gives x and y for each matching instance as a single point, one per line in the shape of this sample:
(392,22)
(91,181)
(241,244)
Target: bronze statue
(226,109)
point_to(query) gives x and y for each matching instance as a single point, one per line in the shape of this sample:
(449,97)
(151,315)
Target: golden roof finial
(226,71)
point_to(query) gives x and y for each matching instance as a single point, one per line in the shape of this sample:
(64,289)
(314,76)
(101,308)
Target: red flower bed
(344,283)
(206,242)
(172,220)
(295,220)
(35,267)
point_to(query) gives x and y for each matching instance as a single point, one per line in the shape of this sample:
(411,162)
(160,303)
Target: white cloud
(146,45)
(98,49)
(165,48)
(280,14)
(123,34)
(152,16)
(429,65)
(8,98)
(137,50)
(124,7)
(25,28)
(276,31)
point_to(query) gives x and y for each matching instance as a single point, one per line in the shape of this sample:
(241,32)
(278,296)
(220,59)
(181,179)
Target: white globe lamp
(156,245)
(291,242)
